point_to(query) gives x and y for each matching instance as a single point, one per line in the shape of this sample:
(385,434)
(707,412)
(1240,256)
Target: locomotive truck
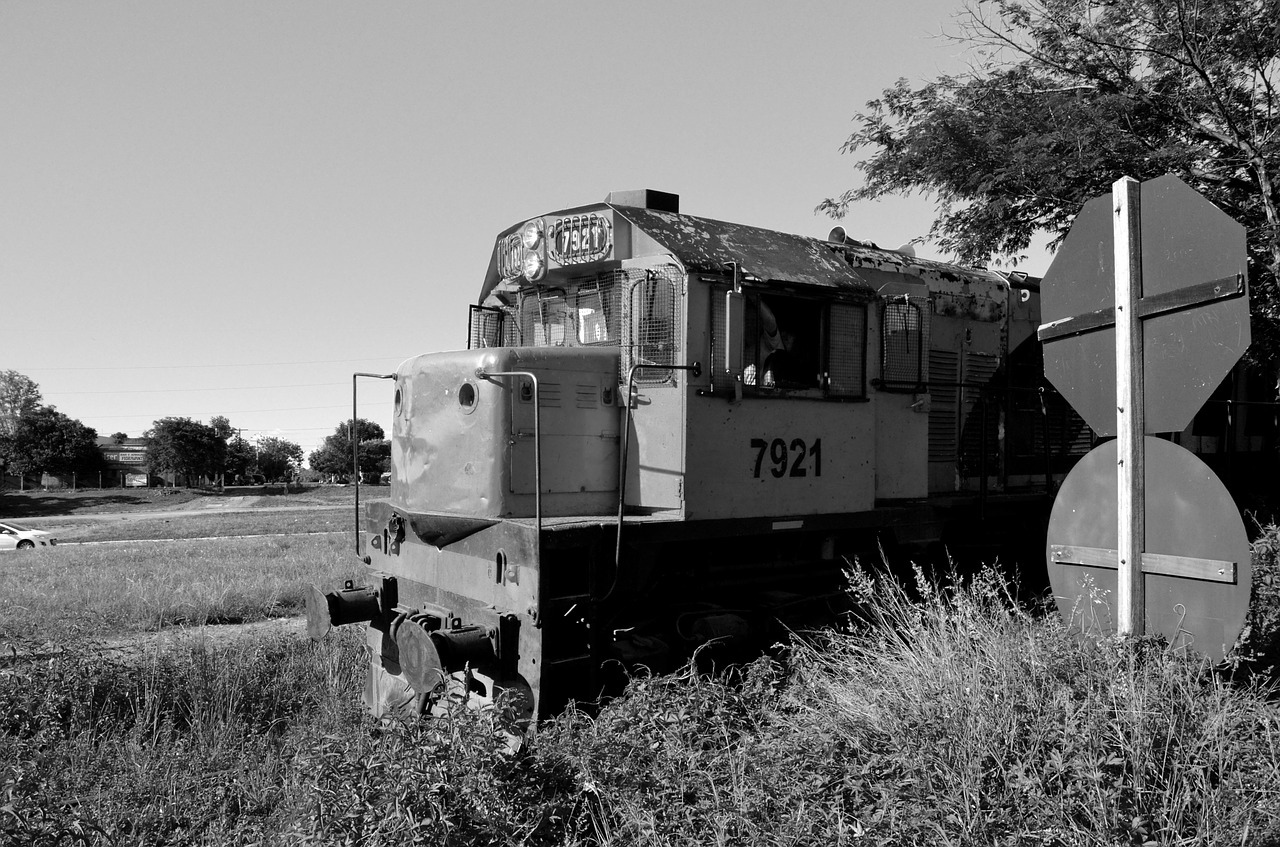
(668,432)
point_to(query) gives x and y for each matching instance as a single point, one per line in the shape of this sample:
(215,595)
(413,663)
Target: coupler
(350,605)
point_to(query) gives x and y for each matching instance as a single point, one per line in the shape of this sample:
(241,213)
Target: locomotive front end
(488,446)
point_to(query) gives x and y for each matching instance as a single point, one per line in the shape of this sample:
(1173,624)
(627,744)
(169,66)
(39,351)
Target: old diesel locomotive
(668,431)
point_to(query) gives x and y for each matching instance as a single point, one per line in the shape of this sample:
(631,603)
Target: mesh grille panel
(906,338)
(583,314)
(652,309)
(846,346)
(485,327)
(636,310)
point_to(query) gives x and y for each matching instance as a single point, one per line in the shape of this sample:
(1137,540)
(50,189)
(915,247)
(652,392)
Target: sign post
(1145,313)
(1130,423)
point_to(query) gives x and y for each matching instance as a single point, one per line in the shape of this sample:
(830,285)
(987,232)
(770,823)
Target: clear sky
(228,207)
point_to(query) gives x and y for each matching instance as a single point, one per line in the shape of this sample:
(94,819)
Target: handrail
(481,373)
(355,454)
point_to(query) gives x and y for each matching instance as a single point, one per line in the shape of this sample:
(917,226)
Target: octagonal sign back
(1186,242)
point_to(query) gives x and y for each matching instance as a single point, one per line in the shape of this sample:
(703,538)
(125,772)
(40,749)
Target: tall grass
(987,723)
(177,748)
(947,716)
(942,716)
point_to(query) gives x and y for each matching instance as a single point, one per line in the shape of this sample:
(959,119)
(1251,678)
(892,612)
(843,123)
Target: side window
(847,351)
(485,327)
(653,322)
(904,362)
(596,313)
(788,344)
(826,341)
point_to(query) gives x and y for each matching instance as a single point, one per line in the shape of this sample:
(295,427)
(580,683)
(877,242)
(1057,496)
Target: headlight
(534,267)
(531,234)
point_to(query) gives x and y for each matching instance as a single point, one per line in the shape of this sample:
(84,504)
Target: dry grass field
(947,715)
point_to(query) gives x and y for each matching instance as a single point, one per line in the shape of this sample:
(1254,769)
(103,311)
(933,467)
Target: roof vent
(646,198)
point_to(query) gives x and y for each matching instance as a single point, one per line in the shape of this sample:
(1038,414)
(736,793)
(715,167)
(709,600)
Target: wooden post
(1130,423)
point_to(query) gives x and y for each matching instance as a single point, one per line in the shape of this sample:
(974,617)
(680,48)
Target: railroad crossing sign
(1196,564)
(1195,314)
(1145,312)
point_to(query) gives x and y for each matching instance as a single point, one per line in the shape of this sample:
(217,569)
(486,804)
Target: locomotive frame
(669,432)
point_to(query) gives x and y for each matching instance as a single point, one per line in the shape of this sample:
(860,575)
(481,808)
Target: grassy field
(948,716)
(121,515)
(259,521)
(73,592)
(33,504)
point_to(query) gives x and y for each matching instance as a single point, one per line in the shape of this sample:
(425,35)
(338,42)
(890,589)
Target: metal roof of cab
(706,245)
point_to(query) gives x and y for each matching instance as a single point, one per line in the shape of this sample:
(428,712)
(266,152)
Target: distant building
(126,460)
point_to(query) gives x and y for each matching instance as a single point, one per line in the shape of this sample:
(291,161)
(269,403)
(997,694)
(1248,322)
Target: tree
(19,396)
(222,426)
(241,458)
(186,447)
(119,437)
(49,441)
(1065,97)
(278,458)
(334,454)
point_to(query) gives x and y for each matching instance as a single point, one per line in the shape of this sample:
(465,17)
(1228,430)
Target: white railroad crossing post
(1130,424)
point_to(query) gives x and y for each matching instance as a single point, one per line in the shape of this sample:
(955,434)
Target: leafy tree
(1066,96)
(185,446)
(334,454)
(119,437)
(241,458)
(49,441)
(19,396)
(278,458)
(222,426)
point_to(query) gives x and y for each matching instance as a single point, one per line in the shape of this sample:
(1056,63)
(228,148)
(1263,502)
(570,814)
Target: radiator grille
(944,367)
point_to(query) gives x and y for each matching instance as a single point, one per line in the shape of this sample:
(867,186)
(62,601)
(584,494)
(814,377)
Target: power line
(223,365)
(222,412)
(172,390)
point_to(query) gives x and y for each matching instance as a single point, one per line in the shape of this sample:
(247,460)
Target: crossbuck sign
(1145,312)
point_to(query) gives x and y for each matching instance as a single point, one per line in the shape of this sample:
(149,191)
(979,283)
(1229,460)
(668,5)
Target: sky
(227,208)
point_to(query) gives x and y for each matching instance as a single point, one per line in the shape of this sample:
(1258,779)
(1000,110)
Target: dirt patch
(225,503)
(142,644)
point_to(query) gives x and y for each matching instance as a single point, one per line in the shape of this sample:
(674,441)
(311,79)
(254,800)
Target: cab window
(795,346)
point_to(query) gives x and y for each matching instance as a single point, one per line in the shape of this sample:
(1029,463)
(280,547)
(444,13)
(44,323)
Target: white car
(13,536)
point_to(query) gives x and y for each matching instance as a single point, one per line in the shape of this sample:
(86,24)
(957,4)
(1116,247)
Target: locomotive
(670,433)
